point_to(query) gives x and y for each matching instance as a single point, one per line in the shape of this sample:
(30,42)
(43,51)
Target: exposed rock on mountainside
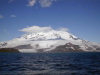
(46,39)
(68,47)
(8,50)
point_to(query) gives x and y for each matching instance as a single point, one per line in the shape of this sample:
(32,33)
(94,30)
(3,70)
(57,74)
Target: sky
(80,17)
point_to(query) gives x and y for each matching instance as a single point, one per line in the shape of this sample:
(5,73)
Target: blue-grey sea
(83,63)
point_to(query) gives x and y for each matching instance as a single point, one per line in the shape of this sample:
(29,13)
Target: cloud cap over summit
(35,29)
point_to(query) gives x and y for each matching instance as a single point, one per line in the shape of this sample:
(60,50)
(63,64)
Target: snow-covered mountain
(46,39)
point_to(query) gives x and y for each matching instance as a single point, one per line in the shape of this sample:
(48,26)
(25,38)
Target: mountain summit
(46,39)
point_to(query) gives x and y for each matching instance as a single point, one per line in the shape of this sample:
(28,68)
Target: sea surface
(50,63)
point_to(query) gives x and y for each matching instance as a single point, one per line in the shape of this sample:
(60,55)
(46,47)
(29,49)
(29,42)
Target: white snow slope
(47,38)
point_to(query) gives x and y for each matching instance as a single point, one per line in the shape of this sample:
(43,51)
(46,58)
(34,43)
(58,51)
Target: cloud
(31,3)
(10,1)
(63,29)
(13,16)
(43,3)
(1,16)
(36,29)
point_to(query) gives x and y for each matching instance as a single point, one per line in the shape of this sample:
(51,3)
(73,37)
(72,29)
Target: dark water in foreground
(50,64)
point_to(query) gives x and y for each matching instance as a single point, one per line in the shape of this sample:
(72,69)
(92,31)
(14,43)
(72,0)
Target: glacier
(46,39)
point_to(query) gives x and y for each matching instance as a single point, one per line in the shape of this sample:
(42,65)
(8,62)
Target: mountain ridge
(45,39)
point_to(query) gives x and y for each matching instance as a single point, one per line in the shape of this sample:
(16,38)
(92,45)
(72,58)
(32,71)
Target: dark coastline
(8,50)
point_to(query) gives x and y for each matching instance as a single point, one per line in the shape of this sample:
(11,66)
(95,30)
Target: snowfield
(47,39)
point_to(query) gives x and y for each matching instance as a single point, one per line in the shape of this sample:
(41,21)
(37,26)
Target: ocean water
(50,63)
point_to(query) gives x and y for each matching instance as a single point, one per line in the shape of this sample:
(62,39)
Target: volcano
(47,39)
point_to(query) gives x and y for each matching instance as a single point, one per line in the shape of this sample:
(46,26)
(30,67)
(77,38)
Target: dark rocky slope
(8,50)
